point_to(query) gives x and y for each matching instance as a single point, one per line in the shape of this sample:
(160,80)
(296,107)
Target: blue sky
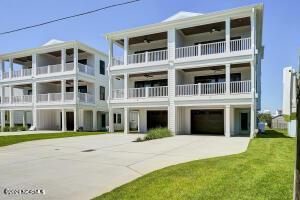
(281,33)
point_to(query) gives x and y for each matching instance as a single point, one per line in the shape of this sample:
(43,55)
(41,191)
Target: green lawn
(265,171)
(13,139)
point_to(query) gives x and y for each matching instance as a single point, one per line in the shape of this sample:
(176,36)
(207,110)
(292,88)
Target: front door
(134,118)
(245,122)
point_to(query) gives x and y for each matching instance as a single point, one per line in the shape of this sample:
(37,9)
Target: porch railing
(22,73)
(86,98)
(69,96)
(118,61)
(118,94)
(5,100)
(86,69)
(22,99)
(5,75)
(240,44)
(50,97)
(161,91)
(239,87)
(136,92)
(136,58)
(69,66)
(201,89)
(151,56)
(213,48)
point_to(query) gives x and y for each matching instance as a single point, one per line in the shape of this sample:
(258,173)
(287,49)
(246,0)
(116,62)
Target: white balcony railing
(117,61)
(69,66)
(5,75)
(69,96)
(50,97)
(86,69)
(136,92)
(42,70)
(5,100)
(22,73)
(213,48)
(161,91)
(240,44)
(201,89)
(86,98)
(118,94)
(151,56)
(22,99)
(240,87)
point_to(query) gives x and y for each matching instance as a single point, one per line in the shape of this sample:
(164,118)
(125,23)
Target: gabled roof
(52,42)
(181,15)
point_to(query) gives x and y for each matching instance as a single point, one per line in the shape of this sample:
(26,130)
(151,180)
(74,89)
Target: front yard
(14,139)
(264,171)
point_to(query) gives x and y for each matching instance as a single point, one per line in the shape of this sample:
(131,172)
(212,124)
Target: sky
(281,28)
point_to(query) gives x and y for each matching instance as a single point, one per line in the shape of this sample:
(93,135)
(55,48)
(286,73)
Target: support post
(2,120)
(75,85)
(63,120)
(63,60)
(24,119)
(11,94)
(11,118)
(34,64)
(75,59)
(63,90)
(11,67)
(126,120)
(227,34)
(111,120)
(125,85)
(2,69)
(227,121)
(125,51)
(75,120)
(94,120)
(227,77)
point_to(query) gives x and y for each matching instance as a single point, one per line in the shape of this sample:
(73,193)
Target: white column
(63,59)
(63,120)
(253,120)
(227,34)
(2,119)
(75,59)
(172,118)
(125,51)
(2,93)
(11,94)
(111,120)
(80,117)
(2,69)
(126,120)
(253,28)
(227,121)
(171,44)
(138,122)
(24,119)
(34,64)
(63,90)
(75,85)
(75,120)
(11,67)
(94,120)
(227,77)
(11,118)
(125,85)
(110,53)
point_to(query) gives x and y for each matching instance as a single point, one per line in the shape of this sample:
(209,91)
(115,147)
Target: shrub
(6,129)
(13,129)
(22,128)
(155,134)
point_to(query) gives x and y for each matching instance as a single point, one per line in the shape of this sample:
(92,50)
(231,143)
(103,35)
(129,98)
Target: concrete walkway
(27,132)
(85,167)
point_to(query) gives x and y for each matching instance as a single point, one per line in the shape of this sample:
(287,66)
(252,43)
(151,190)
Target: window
(102,67)
(83,61)
(117,118)
(102,93)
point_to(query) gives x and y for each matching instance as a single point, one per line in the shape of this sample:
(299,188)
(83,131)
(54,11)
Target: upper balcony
(52,63)
(231,37)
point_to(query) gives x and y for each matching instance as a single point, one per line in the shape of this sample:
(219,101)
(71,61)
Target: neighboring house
(279,122)
(289,103)
(58,86)
(193,73)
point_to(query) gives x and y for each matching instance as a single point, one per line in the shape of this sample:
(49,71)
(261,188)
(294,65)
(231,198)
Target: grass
(155,133)
(14,139)
(264,171)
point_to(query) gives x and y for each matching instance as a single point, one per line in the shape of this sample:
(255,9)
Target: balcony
(50,97)
(236,87)
(22,99)
(86,98)
(199,50)
(86,69)
(144,92)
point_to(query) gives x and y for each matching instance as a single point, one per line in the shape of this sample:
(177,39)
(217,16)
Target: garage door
(207,122)
(157,119)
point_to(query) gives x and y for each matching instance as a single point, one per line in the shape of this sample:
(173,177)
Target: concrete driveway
(85,167)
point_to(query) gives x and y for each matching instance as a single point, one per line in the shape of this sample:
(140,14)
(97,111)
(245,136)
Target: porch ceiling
(23,60)
(216,26)
(148,74)
(145,38)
